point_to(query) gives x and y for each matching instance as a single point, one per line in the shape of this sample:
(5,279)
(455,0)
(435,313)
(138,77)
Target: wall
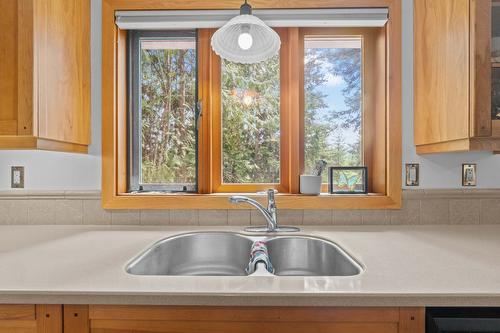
(59,171)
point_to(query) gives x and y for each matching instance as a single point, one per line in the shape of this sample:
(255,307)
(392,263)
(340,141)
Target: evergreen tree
(250,115)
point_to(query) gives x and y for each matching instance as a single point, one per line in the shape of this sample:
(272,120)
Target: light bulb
(245,41)
(247,100)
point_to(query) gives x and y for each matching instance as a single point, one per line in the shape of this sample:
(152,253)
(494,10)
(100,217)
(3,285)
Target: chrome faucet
(269,213)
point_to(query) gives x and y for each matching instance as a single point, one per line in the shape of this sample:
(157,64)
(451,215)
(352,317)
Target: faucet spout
(269,213)
(269,216)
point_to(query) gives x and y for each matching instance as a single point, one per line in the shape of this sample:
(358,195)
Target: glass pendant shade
(246,39)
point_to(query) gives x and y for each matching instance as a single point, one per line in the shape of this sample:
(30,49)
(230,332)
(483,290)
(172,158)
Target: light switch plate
(17,177)
(469,175)
(412,174)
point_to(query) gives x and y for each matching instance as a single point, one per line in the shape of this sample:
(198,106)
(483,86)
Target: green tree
(251,122)
(323,122)
(168,99)
(250,115)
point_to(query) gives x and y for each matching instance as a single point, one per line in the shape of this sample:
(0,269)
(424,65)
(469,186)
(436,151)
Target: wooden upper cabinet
(452,72)
(45,75)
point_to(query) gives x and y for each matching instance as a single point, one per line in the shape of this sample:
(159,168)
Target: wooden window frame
(114,115)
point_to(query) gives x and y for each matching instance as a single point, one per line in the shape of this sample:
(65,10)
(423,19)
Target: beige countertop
(414,265)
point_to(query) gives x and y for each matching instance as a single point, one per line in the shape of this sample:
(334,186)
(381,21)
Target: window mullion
(295,101)
(205,78)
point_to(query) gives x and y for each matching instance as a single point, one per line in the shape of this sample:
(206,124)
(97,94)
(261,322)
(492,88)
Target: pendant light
(246,39)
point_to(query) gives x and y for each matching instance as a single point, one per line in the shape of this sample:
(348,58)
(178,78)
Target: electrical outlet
(412,174)
(17,177)
(469,175)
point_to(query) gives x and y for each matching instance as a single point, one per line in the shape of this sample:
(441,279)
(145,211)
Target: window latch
(199,114)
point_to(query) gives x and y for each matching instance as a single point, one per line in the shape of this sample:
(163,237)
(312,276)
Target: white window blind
(194,19)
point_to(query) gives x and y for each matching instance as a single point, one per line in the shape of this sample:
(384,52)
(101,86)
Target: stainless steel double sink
(227,254)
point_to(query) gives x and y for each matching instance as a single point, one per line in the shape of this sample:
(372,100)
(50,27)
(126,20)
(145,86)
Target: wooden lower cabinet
(192,319)
(164,319)
(31,319)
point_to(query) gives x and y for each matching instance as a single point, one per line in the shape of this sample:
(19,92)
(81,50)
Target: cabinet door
(8,67)
(16,328)
(480,68)
(441,70)
(239,327)
(30,319)
(17,319)
(495,58)
(62,30)
(163,319)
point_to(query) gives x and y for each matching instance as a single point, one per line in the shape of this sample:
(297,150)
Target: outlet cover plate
(469,175)
(412,174)
(17,177)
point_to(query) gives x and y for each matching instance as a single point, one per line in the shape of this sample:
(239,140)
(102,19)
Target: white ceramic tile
(238,217)
(125,217)
(463,211)
(434,211)
(257,219)
(93,214)
(409,214)
(69,212)
(155,217)
(374,217)
(183,217)
(490,211)
(291,216)
(212,217)
(318,217)
(42,212)
(347,217)
(14,211)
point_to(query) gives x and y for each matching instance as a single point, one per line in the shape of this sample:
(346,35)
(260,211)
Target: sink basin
(208,254)
(308,256)
(228,254)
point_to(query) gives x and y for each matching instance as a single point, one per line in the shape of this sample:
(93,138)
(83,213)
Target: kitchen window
(197,128)
(250,117)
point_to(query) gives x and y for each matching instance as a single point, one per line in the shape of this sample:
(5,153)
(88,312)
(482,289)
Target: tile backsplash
(419,207)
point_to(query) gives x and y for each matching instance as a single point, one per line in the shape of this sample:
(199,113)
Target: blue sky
(335,100)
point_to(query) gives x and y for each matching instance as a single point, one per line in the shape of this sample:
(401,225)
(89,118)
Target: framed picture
(348,180)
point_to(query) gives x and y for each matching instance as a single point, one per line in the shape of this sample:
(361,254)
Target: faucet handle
(270,194)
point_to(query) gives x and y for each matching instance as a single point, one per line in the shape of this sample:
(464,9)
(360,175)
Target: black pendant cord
(246,9)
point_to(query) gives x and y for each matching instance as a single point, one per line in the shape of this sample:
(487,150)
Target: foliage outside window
(251,122)
(165,118)
(333,102)
(164,101)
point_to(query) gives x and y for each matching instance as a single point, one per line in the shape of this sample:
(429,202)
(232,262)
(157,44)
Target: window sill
(221,201)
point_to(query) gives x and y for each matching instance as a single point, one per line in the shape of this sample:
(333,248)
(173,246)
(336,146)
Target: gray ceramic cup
(310,185)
